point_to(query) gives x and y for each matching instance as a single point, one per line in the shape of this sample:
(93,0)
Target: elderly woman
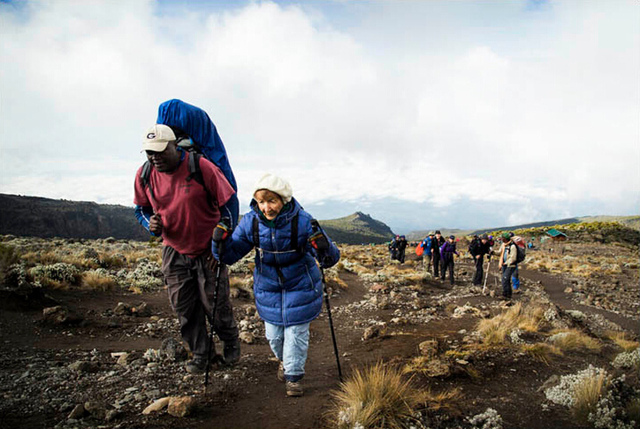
(286,280)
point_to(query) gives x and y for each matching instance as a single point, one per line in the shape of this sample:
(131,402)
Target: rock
(112,415)
(141,310)
(59,315)
(182,406)
(246,337)
(157,405)
(123,359)
(437,368)
(77,412)
(551,381)
(96,409)
(83,366)
(373,332)
(173,350)
(377,287)
(122,309)
(568,290)
(428,348)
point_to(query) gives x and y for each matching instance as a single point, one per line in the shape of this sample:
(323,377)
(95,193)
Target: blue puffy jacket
(286,282)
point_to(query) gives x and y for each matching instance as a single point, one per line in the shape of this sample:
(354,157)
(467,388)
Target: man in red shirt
(185,212)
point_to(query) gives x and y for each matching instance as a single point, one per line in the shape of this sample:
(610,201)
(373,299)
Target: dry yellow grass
(572,339)
(587,393)
(93,280)
(541,352)
(376,397)
(623,340)
(494,331)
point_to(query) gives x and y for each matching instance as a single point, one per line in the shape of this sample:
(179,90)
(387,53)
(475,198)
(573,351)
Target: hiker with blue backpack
(510,256)
(426,254)
(181,196)
(287,282)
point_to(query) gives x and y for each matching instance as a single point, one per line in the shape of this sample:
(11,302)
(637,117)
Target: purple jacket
(447,250)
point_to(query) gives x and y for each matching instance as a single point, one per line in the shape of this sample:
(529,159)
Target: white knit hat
(275,184)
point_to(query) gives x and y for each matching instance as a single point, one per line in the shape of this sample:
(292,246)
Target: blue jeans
(515,278)
(290,345)
(507,272)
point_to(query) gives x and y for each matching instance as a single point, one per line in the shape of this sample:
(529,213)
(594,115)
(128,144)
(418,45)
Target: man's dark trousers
(477,277)
(507,272)
(436,263)
(191,285)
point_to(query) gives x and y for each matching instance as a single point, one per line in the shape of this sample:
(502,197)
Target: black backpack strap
(145,175)
(195,173)
(256,232)
(294,233)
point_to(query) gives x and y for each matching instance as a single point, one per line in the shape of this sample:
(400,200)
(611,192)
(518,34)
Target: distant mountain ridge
(357,228)
(48,218)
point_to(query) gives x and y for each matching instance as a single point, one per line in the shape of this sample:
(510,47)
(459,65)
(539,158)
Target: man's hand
(222,230)
(155,224)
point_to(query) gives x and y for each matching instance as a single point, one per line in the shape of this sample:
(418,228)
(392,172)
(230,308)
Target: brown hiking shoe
(294,388)
(280,374)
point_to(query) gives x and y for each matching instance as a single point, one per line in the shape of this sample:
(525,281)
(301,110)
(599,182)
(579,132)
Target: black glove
(222,230)
(318,240)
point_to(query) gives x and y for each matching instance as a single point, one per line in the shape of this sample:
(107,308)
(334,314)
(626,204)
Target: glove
(222,230)
(319,241)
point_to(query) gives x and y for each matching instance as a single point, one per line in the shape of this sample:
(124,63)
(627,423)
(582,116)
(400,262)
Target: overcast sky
(420,113)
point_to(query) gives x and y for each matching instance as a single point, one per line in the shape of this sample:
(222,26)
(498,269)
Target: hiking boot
(294,388)
(197,365)
(231,352)
(280,373)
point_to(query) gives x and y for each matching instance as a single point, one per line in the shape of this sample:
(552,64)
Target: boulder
(428,348)
(96,409)
(246,337)
(77,412)
(181,406)
(157,405)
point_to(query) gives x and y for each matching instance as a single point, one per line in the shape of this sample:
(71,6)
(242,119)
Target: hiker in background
(179,210)
(478,248)
(393,248)
(402,247)
(436,243)
(515,278)
(447,250)
(507,264)
(287,283)
(426,255)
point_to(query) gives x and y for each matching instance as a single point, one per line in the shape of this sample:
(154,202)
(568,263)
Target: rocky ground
(74,356)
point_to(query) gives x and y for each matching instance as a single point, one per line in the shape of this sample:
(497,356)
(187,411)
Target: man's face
(438,236)
(164,161)
(483,240)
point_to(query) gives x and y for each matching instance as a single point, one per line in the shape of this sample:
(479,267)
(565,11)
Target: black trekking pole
(219,234)
(333,334)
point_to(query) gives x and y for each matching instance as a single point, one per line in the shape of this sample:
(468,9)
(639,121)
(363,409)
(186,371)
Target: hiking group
(438,255)
(186,193)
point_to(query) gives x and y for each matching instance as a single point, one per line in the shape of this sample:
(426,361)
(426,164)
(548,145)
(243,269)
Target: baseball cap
(157,138)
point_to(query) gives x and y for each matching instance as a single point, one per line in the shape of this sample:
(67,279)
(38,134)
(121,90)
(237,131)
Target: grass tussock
(572,339)
(623,340)
(375,397)
(587,393)
(94,280)
(542,352)
(496,330)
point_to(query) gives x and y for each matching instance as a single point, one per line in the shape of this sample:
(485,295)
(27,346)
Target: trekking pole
(333,334)
(484,287)
(216,293)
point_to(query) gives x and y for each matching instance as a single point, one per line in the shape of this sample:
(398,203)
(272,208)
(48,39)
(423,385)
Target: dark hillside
(46,218)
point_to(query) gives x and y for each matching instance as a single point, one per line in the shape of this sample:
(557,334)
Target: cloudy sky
(420,113)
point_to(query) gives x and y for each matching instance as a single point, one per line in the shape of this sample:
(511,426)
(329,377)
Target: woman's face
(269,203)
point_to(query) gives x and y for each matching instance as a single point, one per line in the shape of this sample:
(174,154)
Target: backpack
(204,141)
(473,245)
(520,255)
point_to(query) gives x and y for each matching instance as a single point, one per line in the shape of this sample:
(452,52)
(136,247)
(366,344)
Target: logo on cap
(151,136)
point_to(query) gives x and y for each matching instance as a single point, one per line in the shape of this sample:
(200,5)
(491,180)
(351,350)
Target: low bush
(573,339)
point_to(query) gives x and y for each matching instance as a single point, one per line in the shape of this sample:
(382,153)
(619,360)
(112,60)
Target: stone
(77,412)
(96,409)
(568,290)
(428,348)
(246,337)
(123,359)
(141,310)
(83,366)
(437,368)
(112,415)
(373,332)
(173,350)
(157,405)
(122,309)
(59,315)
(181,406)
(377,287)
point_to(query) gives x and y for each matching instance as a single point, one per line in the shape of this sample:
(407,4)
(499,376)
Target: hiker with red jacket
(478,248)
(447,250)
(185,212)
(287,282)
(436,243)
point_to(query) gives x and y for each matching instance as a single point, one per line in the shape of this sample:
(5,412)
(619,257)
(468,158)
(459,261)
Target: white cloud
(417,101)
